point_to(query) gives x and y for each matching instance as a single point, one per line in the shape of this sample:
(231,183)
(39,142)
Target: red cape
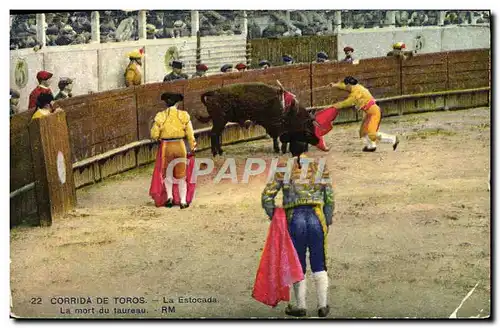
(157,189)
(279,266)
(325,119)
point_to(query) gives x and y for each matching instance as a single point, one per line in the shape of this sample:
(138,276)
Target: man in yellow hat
(133,74)
(398,51)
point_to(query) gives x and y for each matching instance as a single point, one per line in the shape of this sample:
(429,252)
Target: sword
(280,85)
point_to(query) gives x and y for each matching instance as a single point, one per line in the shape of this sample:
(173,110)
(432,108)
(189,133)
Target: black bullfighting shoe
(295,311)
(323,311)
(395,143)
(169,203)
(369,150)
(183,206)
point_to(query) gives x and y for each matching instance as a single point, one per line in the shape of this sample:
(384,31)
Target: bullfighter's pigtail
(298,162)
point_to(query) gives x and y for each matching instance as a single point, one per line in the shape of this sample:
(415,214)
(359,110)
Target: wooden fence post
(52,167)
(401,86)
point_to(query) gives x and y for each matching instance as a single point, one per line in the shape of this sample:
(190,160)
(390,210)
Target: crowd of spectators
(22,31)
(61,29)
(177,23)
(118,26)
(68,28)
(273,24)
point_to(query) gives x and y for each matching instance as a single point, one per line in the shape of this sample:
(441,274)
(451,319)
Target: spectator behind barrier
(241,67)
(65,86)
(45,106)
(14,101)
(201,71)
(176,73)
(264,64)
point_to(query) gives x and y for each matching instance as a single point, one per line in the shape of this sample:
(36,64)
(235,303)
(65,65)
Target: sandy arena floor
(411,234)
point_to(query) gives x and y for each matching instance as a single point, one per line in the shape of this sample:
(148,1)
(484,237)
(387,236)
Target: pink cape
(279,266)
(157,189)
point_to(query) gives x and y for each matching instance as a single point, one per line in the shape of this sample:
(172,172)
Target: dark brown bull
(262,104)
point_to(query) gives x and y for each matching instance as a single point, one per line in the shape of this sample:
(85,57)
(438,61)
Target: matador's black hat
(44,99)
(171,98)
(350,80)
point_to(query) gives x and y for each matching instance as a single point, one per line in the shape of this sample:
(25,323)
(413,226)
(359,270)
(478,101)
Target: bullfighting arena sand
(411,234)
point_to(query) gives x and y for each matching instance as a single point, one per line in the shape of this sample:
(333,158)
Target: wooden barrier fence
(108,131)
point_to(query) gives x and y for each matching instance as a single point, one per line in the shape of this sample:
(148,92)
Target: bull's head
(297,121)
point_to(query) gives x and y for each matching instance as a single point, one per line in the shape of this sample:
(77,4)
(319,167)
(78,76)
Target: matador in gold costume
(362,99)
(172,126)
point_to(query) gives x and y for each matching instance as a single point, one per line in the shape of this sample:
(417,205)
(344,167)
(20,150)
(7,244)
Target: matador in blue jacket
(309,209)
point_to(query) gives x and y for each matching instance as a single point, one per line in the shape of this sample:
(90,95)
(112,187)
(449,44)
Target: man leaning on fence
(201,71)
(398,50)
(176,73)
(45,106)
(44,79)
(65,86)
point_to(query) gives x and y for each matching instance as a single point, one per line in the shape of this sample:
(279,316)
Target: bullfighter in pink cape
(173,128)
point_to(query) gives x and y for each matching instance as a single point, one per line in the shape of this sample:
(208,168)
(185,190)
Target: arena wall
(100,67)
(370,43)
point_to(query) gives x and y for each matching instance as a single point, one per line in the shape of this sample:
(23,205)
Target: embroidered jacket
(315,191)
(172,124)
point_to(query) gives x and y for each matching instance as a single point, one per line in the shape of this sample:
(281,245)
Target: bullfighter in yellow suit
(360,97)
(172,126)
(133,74)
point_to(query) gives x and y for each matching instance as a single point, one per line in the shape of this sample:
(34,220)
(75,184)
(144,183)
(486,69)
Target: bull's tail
(204,102)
